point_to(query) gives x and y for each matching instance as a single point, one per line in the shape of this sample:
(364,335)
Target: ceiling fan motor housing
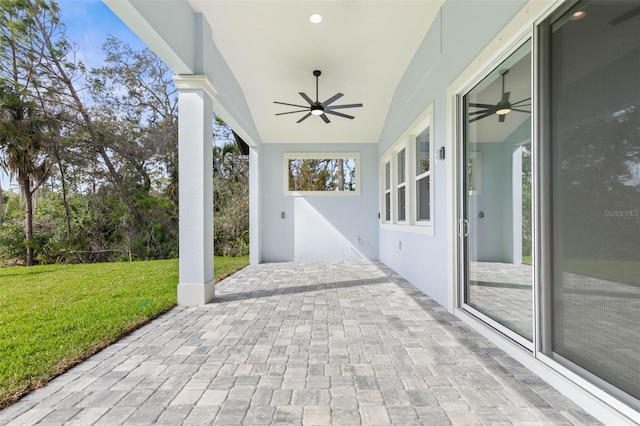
(503,108)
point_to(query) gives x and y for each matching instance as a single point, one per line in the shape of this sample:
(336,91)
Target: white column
(195,156)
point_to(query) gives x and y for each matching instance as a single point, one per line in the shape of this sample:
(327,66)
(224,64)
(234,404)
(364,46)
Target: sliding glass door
(496,223)
(583,309)
(594,145)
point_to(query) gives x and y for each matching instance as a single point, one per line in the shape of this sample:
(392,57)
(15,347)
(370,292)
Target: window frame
(418,129)
(407,143)
(287,156)
(387,191)
(401,185)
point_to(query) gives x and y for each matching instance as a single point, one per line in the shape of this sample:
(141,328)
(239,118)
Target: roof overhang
(269,50)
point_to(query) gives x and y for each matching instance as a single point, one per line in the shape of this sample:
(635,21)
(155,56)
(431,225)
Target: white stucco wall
(340,227)
(461,31)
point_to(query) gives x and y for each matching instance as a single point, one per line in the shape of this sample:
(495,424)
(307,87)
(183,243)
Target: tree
(106,165)
(135,89)
(231,194)
(321,174)
(45,65)
(23,145)
(122,146)
(136,107)
(29,37)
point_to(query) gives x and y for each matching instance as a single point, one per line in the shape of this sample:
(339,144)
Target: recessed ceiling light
(315,18)
(578,15)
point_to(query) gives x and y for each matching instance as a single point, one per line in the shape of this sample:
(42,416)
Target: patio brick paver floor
(302,343)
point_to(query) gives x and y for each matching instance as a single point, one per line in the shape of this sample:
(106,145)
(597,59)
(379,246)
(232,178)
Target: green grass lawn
(225,266)
(54,316)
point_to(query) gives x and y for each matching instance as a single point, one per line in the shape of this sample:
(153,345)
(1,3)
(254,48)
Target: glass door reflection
(497,196)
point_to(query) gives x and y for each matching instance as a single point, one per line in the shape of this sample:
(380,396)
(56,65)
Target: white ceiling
(362,48)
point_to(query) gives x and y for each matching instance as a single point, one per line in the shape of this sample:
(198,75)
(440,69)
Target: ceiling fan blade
(325,118)
(501,118)
(625,16)
(293,112)
(484,111)
(520,110)
(339,114)
(482,105)
(486,114)
(306,98)
(345,106)
(293,105)
(304,118)
(505,97)
(520,101)
(332,99)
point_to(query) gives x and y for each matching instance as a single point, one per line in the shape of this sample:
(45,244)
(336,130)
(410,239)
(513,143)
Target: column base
(196,294)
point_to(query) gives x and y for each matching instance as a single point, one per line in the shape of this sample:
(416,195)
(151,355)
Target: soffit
(362,48)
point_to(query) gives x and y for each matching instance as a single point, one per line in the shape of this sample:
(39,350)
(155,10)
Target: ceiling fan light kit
(503,108)
(317,108)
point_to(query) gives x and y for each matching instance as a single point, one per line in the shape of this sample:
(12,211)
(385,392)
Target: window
(402,187)
(387,191)
(321,174)
(423,175)
(406,178)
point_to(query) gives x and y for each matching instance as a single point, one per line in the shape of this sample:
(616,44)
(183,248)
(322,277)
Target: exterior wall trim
(195,82)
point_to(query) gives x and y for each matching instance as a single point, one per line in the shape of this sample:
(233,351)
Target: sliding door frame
(544,213)
(461,194)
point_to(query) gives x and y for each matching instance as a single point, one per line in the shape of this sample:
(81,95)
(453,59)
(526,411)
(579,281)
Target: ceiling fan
(502,108)
(320,109)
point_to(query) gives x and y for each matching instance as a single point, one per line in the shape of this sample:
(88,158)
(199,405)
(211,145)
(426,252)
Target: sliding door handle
(463,228)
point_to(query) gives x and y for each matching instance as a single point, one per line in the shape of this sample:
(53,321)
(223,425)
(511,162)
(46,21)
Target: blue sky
(88,23)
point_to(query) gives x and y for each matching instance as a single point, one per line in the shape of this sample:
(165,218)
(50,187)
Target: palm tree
(23,149)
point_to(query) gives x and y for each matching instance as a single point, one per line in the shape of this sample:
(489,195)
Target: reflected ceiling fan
(502,108)
(318,108)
